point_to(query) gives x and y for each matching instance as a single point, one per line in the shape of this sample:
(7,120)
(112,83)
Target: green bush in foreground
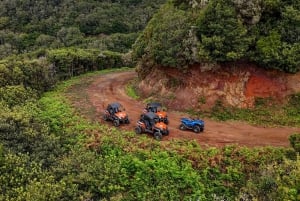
(295,141)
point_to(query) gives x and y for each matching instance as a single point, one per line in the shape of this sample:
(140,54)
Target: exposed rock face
(235,85)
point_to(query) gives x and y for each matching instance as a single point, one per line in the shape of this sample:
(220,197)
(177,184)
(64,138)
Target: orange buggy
(157,108)
(115,112)
(149,123)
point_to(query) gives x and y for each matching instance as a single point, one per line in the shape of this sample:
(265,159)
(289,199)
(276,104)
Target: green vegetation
(104,25)
(62,156)
(223,36)
(70,62)
(188,32)
(295,141)
(266,112)
(131,91)
(49,152)
(164,39)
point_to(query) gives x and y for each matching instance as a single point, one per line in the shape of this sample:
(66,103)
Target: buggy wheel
(127,121)
(196,129)
(182,127)
(138,130)
(157,136)
(201,129)
(166,121)
(105,117)
(116,122)
(167,132)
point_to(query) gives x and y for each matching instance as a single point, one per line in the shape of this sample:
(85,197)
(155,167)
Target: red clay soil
(111,88)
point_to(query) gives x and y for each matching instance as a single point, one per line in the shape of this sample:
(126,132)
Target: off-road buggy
(157,108)
(196,125)
(149,123)
(115,112)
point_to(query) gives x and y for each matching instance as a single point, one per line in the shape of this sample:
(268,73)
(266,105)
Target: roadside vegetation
(266,112)
(72,159)
(131,90)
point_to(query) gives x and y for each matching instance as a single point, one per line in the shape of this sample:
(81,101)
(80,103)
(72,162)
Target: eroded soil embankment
(235,85)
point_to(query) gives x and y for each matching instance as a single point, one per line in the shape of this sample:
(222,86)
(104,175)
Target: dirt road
(111,87)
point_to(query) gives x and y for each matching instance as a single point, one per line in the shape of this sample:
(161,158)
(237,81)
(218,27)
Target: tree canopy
(261,31)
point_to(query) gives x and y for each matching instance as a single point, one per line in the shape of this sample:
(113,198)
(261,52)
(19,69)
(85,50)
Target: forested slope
(186,32)
(29,25)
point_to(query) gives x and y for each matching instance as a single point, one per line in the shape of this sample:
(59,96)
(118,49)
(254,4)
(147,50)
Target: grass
(131,90)
(266,112)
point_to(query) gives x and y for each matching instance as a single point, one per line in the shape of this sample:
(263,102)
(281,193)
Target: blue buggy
(196,125)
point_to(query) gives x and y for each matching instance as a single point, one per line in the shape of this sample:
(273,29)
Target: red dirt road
(111,88)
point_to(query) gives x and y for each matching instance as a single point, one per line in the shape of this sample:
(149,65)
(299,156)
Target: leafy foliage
(69,62)
(274,53)
(274,181)
(28,25)
(16,95)
(30,73)
(167,40)
(265,32)
(265,112)
(295,141)
(222,35)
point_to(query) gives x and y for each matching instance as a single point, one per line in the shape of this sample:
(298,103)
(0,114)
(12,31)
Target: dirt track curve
(111,87)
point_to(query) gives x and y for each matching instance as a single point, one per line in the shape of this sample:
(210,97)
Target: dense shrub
(222,34)
(63,23)
(33,73)
(167,40)
(23,132)
(265,32)
(16,95)
(69,62)
(295,141)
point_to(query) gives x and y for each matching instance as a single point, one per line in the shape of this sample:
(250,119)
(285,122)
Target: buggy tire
(201,129)
(166,121)
(167,132)
(196,129)
(138,130)
(157,136)
(127,121)
(182,127)
(116,122)
(105,117)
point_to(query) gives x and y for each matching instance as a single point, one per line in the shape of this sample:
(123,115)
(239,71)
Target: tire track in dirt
(110,87)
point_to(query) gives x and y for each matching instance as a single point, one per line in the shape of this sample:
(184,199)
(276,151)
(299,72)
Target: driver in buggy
(149,123)
(152,109)
(111,111)
(115,109)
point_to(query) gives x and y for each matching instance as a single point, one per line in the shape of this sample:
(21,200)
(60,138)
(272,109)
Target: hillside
(186,32)
(195,54)
(28,25)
